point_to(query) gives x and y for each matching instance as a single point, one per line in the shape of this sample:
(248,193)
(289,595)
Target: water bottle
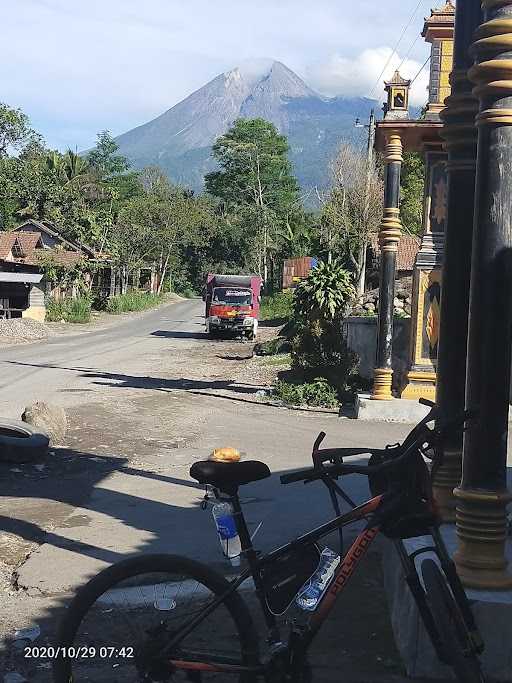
(226,528)
(312,591)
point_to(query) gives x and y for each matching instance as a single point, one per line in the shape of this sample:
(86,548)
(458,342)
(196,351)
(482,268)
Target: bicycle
(200,628)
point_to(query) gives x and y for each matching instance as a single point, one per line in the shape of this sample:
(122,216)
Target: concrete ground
(146,398)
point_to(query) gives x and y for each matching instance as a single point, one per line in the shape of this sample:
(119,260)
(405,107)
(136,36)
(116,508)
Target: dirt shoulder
(100,320)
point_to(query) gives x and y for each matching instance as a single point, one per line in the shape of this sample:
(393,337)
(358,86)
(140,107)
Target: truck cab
(232,305)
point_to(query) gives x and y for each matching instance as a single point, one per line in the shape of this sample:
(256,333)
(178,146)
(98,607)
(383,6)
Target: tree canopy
(412,190)
(250,218)
(257,193)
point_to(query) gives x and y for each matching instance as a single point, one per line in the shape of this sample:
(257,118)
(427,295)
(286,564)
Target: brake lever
(316,448)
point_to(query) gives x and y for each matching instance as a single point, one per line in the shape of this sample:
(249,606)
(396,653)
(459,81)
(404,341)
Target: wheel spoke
(131,621)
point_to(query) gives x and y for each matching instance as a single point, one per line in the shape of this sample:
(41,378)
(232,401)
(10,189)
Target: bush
(135,300)
(273,347)
(326,294)
(317,393)
(71,310)
(188,293)
(321,351)
(278,306)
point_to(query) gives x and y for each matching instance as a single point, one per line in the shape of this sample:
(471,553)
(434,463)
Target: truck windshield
(236,297)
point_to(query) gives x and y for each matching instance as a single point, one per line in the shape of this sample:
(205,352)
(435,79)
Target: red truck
(232,304)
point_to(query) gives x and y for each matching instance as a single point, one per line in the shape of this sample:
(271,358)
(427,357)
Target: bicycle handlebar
(418,437)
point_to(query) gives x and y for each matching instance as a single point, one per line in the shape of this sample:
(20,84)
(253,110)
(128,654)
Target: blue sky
(80,66)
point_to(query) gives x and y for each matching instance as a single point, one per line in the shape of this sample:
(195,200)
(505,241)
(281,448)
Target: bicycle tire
(450,625)
(64,669)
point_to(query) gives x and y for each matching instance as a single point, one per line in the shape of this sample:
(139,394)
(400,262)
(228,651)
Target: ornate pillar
(438,30)
(482,495)
(426,288)
(460,136)
(389,237)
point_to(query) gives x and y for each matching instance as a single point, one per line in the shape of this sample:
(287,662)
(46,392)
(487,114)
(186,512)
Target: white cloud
(361,75)
(79,67)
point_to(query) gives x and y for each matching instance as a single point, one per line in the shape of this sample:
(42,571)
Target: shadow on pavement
(177,334)
(172,521)
(122,381)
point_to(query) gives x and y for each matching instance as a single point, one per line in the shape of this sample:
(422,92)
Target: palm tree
(75,167)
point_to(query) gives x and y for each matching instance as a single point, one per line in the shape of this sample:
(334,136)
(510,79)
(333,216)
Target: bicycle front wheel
(450,625)
(119,626)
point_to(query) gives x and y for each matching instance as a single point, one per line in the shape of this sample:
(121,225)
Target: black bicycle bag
(285,576)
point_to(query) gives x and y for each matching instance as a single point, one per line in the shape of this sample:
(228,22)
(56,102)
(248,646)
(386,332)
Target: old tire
(19,442)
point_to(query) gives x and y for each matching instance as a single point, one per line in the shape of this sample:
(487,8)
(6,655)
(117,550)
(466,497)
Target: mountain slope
(179,140)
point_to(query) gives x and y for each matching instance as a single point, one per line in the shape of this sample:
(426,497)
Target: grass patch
(318,393)
(277,307)
(188,293)
(70,310)
(136,300)
(284,359)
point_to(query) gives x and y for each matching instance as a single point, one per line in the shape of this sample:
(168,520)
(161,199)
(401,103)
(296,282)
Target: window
(399,101)
(17,250)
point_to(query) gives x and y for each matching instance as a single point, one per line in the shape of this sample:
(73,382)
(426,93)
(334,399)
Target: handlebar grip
(318,441)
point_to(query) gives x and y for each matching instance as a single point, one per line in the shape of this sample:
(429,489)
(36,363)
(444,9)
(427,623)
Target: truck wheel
(19,442)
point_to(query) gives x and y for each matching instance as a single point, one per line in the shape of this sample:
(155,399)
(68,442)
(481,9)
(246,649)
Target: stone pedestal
(492,610)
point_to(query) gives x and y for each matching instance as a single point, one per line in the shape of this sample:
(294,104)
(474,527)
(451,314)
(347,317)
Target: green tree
(158,225)
(352,210)
(104,158)
(412,192)
(15,130)
(256,182)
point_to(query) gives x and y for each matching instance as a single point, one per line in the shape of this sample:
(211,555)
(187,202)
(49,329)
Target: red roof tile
(6,241)
(408,247)
(28,241)
(32,255)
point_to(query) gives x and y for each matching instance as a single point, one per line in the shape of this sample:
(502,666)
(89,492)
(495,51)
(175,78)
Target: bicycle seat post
(251,556)
(241,525)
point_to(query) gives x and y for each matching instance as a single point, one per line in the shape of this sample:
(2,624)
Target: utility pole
(369,173)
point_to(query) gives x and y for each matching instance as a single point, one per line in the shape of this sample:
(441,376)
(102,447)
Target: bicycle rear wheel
(450,625)
(117,627)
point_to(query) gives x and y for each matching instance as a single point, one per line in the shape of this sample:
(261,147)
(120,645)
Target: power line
(411,19)
(408,53)
(419,72)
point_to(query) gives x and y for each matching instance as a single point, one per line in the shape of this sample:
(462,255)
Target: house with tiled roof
(408,248)
(24,252)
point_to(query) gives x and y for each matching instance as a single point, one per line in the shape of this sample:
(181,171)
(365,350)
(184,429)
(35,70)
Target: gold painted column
(482,496)
(389,237)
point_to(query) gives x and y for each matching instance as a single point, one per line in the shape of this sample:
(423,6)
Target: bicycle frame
(345,570)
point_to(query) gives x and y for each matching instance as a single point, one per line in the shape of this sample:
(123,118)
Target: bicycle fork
(450,571)
(419,595)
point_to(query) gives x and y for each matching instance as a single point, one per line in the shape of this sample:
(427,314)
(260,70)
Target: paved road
(135,372)
(62,369)
(140,397)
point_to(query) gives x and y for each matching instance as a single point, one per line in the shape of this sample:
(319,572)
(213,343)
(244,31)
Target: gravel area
(263,371)
(19,330)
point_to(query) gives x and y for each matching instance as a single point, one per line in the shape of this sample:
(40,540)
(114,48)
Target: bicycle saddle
(228,475)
